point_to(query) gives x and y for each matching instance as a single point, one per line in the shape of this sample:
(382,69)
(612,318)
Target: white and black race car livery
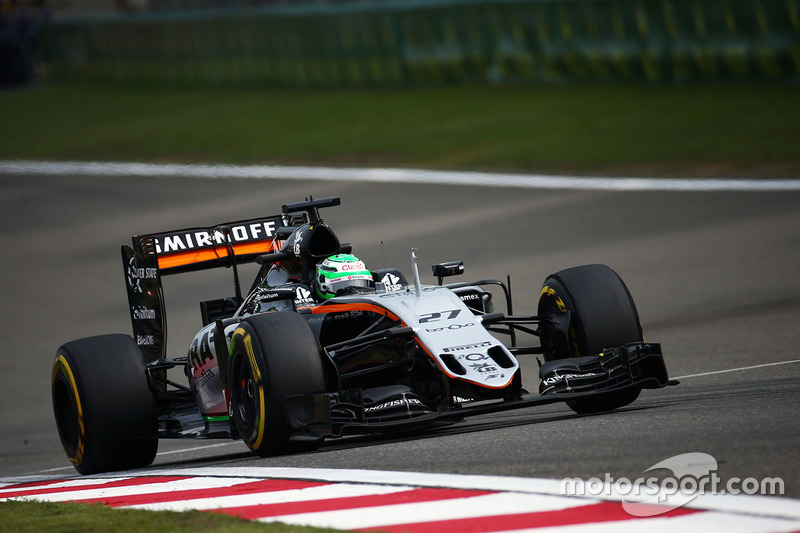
(282,365)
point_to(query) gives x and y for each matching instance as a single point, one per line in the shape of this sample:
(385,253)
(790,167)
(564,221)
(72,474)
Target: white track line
(198,448)
(393,175)
(159,454)
(737,369)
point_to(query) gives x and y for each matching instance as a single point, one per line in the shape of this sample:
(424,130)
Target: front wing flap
(612,368)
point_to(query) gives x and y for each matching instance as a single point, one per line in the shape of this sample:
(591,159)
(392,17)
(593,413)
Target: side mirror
(450,268)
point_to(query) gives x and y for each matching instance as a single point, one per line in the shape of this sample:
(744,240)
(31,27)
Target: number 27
(433,317)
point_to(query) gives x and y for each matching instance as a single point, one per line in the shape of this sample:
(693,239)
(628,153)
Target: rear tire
(105,412)
(603,315)
(273,355)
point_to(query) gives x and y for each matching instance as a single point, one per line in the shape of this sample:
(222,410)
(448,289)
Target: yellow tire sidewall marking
(62,367)
(547,291)
(550,292)
(260,423)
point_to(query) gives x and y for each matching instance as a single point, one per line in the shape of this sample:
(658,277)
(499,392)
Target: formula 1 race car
(321,347)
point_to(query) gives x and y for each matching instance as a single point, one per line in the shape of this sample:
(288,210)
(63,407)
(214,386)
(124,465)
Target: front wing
(638,365)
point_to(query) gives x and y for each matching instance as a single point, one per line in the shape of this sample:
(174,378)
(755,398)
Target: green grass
(694,130)
(24,517)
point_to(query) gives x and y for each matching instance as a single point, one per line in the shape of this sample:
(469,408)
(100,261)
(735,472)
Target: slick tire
(602,315)
(105,412)
(273,355)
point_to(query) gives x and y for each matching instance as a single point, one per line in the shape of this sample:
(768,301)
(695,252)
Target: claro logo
(354,266)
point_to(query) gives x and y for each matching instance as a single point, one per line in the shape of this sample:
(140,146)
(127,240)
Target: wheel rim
(243,394)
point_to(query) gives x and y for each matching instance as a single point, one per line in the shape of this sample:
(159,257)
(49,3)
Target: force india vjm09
(321,347)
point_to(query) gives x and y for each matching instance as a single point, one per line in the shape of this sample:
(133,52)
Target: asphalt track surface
(715,276)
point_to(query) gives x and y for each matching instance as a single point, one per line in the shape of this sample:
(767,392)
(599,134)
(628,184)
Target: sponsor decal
(483,368)
(393,403)
(466,297)
(424,289)
(352,266)
(201,351)
(303,296)
(206,377)
(451,326)
(344,315)
(267,296)
(351,277)
(145,340)
(475,357)
(143,313)
(555,379)
(135,274)
(194,239)
(467,347)
(297,241)
(146,273)
(391,282)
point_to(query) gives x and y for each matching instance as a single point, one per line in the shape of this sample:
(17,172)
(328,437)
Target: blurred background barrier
(20,23)
(428,42)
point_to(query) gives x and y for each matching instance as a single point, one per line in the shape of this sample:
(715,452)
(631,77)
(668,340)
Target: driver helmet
(342,274)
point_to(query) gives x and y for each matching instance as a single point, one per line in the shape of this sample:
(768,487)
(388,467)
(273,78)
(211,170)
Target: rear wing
(186,250)
(193,249)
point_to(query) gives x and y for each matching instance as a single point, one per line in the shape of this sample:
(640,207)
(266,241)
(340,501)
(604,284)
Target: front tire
(273,355)
(602,315)
(105,412)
